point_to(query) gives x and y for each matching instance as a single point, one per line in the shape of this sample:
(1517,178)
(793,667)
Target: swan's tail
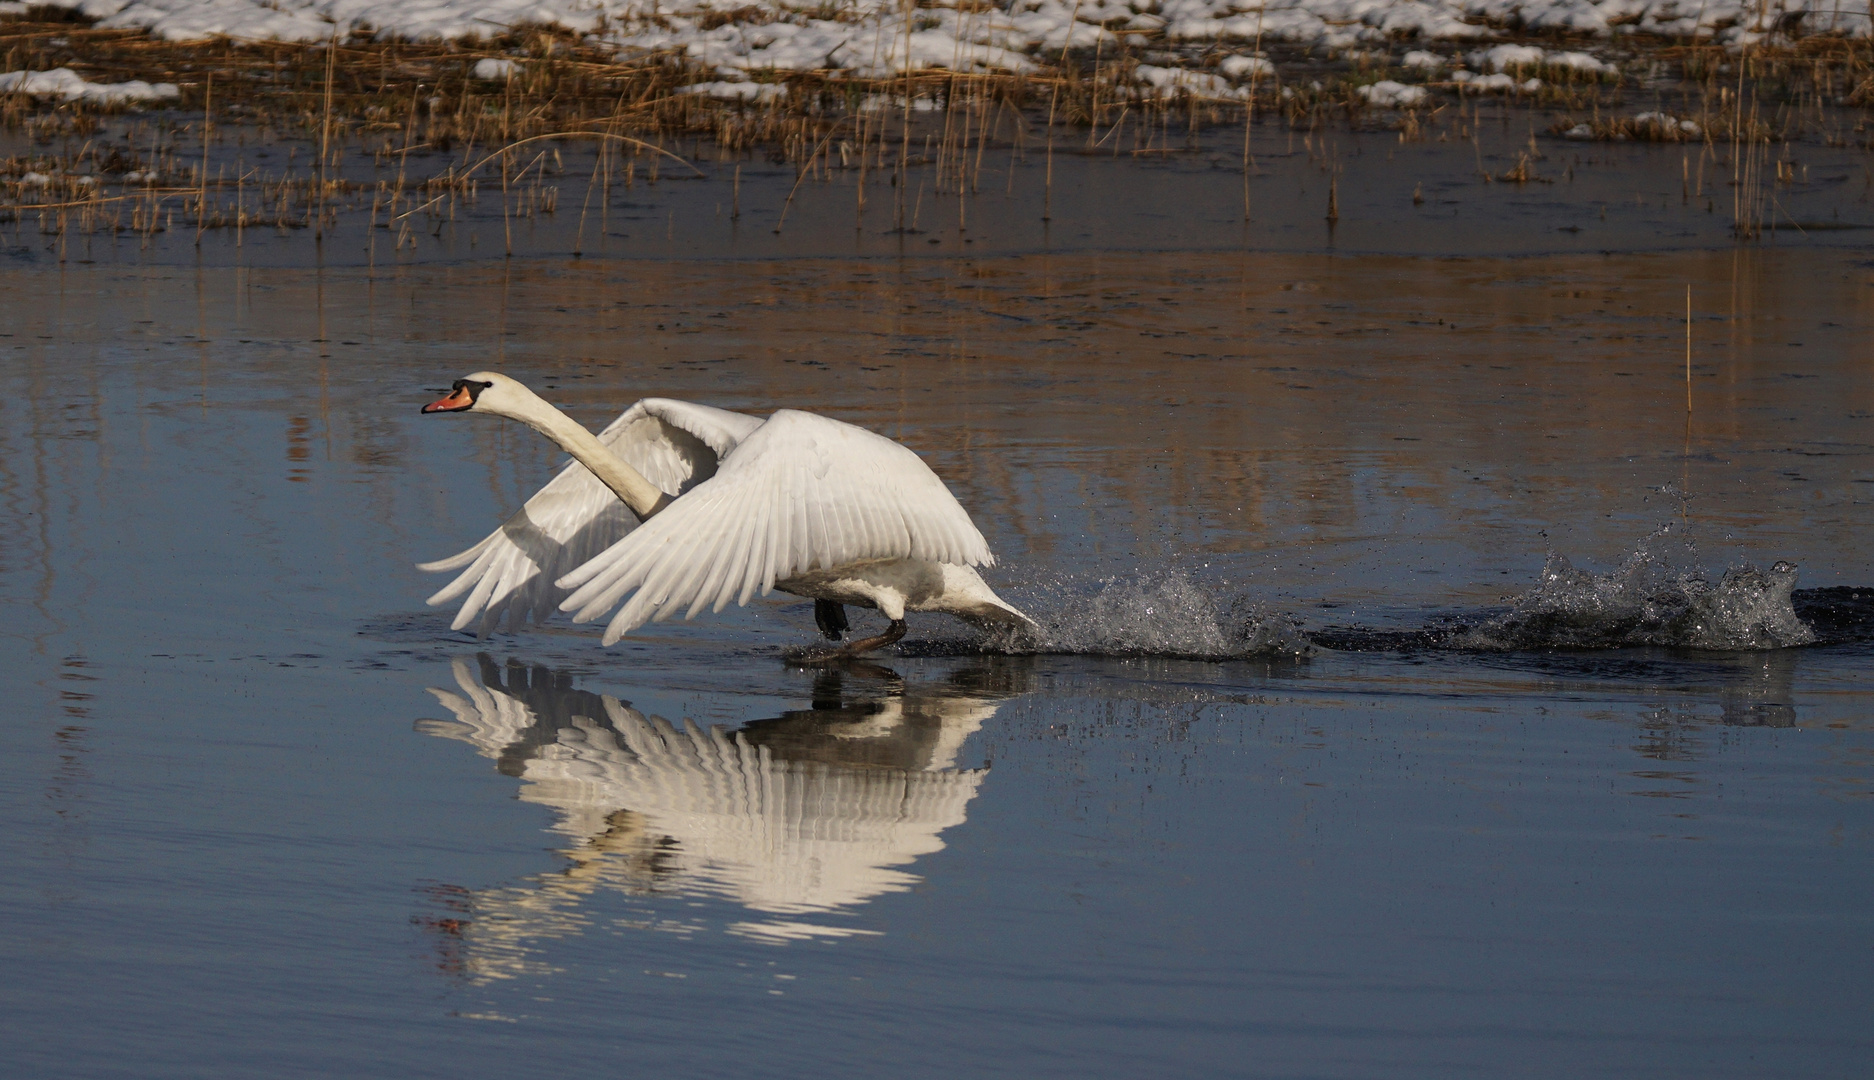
(996,616)
(967,596)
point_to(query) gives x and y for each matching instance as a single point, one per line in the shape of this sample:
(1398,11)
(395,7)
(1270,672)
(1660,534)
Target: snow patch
(1393,95)
(1244,68)
(68,85)
(1666,122)
(492,70)
(737,91)
(1507,57)
(1168,81)
(1500,83)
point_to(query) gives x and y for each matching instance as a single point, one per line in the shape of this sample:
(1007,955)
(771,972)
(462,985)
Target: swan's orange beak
(458,399)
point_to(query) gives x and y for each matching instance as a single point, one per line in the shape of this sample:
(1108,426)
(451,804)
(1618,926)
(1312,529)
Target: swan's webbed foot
(852,648)
(830,617)
(865,645)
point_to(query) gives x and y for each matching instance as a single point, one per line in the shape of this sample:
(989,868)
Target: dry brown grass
(390,100)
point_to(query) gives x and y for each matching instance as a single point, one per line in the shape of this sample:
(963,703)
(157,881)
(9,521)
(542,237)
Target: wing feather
(511,573)
(801,493)
(760,541)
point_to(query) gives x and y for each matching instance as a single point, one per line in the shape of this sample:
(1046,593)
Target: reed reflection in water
(810,812)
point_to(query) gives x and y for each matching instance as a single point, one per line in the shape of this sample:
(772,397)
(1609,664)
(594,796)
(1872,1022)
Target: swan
(681,505)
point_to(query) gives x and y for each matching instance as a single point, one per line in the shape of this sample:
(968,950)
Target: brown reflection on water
(1415,423)
(1303,406)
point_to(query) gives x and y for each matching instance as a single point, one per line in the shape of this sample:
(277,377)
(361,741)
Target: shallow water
(267,814)
(1444,190)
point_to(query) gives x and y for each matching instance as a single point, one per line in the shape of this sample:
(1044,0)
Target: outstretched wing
(803,492)
(675,444)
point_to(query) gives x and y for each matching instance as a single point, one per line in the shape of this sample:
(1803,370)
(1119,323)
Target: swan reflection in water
(810,812)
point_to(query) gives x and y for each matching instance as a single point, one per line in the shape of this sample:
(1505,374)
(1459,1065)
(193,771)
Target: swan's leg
(865,645)
(830,617)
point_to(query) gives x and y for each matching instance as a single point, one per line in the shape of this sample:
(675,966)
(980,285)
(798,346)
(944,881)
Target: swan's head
(488,392)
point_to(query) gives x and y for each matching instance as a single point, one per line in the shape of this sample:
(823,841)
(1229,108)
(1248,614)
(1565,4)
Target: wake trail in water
(1658,596)
(1747,609)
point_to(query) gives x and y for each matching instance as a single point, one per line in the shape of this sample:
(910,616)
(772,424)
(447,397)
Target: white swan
(732,505)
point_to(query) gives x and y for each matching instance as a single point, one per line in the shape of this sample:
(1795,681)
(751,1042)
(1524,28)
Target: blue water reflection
(227,853)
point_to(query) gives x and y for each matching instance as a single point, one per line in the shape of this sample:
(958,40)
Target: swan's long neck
(642,496)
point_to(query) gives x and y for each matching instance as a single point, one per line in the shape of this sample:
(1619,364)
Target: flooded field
(1394,714)
(1483,177)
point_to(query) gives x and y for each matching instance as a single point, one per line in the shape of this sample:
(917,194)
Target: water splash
(1657,596)
(1165,613)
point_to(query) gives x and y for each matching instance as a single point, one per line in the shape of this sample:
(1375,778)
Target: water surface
(268,814)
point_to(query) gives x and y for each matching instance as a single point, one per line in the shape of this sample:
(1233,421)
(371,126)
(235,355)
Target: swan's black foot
(830,617)
(850,649)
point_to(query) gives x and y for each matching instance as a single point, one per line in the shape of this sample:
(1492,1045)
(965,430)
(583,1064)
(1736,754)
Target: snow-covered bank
(734,38)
